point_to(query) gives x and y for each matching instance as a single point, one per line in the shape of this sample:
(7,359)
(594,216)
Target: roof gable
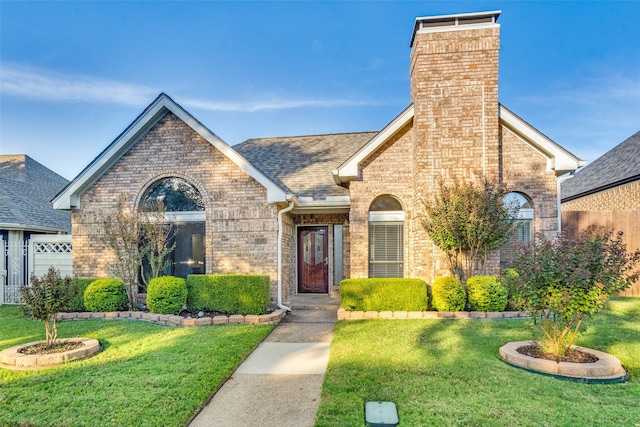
(69,197)
(559,160)
(618,166)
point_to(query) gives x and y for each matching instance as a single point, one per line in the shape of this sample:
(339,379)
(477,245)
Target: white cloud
(46,85)
(274,104)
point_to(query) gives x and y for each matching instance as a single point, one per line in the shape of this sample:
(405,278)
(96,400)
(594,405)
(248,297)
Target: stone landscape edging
(359,315)
(12,359)
(173,320)
(607,369)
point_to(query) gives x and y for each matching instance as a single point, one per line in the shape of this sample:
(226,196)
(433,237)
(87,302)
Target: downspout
(280,233)
(559,182)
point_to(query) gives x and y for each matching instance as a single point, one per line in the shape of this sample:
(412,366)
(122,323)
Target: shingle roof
(616,167)
(26,190)
(303,165)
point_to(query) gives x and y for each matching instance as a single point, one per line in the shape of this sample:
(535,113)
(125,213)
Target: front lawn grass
(448,373)
(146,375)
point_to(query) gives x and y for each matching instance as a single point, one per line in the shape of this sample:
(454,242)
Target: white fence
(20,260)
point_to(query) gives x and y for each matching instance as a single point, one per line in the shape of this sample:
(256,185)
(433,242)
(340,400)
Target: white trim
(69,198)
(350,168)
(559,160)
(456,25)
(388,216)
(186,216)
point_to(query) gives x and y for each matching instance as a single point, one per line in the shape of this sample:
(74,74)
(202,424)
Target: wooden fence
(627,221)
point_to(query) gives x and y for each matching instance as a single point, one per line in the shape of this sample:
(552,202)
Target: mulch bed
(56,347)
(573,355)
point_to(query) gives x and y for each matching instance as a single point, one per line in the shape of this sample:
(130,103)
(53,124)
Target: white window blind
(386,248)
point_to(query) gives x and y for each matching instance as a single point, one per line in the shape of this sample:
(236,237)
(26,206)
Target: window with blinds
(386,248)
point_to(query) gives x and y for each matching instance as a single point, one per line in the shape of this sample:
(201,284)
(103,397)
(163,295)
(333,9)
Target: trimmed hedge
(79,285)
(383,294)
(228,293)
(448,294)
(166,295)
(106,295)
(486,294)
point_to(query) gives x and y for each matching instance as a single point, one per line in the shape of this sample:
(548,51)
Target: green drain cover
(379,414)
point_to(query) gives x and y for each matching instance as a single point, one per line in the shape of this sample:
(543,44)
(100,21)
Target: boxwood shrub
(106,295)
(448,294)
(228,293)
(79,285)
(383,294)
(486,294)
(166,294)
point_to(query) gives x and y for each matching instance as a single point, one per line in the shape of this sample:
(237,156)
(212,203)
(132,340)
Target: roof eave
(559,160)
(350,169)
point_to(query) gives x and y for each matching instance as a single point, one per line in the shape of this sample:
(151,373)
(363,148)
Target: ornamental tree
(467,221)
(560,281)
(45,298)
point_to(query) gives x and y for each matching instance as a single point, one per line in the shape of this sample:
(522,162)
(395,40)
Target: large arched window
(524,230)
(386,238)
(184,214)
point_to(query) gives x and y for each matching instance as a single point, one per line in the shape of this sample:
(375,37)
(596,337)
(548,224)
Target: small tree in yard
(122,235)
(156,235)
(560,281)
(45,298)
(467,221)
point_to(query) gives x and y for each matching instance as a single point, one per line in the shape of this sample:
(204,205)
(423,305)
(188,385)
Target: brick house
(607,193)
(311,210)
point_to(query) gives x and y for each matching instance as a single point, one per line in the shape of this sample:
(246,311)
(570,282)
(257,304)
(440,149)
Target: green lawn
(146,375)
(448,373)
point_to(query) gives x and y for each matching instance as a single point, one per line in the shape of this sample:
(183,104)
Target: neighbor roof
(26,188)
(616,167)
(303,165)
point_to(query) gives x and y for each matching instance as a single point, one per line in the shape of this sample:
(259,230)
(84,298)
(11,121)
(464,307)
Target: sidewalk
(280,383)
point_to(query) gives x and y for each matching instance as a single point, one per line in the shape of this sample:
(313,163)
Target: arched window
(185,217)
(386,238)
(524,230)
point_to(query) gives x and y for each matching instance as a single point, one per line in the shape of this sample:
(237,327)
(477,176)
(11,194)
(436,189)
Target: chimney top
(456,22)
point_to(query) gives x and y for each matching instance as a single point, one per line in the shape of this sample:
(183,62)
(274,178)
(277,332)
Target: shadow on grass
(146,375)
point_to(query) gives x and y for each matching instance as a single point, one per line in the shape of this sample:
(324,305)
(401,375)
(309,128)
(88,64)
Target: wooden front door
(313,260)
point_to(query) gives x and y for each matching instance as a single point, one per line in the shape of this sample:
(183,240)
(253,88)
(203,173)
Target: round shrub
(106,295)
(448,294)
(486,294)
(166,295)
(509,279)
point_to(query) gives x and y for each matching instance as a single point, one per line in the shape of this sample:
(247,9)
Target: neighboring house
(607,193)
(26,190)
(311,210)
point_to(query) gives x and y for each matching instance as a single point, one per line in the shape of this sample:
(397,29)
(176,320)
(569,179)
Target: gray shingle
(26,190)
(303,165)
(616,167)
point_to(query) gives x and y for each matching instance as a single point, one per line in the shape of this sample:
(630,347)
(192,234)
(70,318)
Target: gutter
(290,199)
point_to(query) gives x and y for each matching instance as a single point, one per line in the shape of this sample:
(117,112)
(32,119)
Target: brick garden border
(12,359)
(358,315)
(172,320)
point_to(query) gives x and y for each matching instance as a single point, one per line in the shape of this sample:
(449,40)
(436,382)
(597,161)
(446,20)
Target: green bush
(106,295)
(448,294)
(383,294)
(509,279)
(166,294)
(78,286)
(486,294)
(228,293)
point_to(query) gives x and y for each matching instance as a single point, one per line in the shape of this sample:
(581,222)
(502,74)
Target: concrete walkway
(280,383)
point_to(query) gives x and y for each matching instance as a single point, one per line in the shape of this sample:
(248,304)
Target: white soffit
(350,168)
(558,159)
(69,198)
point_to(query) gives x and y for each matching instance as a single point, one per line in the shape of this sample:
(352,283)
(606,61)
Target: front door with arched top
(313,260)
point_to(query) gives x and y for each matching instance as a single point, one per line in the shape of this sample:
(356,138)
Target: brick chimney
(454,89)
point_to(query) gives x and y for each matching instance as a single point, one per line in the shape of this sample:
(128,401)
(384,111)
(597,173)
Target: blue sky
(74,75)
